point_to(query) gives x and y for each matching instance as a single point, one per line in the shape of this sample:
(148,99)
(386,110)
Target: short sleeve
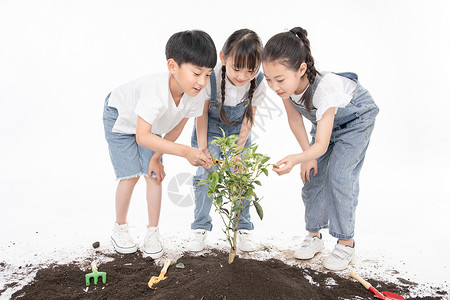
(331,92)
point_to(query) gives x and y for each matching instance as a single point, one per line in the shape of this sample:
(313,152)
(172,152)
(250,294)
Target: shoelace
(124,236)
(152,240)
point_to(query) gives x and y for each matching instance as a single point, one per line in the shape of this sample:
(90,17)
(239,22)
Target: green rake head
(95,274)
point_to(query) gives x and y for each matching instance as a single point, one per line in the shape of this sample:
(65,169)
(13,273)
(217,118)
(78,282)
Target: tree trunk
(233,249)
(231,256)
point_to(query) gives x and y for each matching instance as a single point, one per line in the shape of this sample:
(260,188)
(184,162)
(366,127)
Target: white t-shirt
(236,94)
(333,91)
(150,98)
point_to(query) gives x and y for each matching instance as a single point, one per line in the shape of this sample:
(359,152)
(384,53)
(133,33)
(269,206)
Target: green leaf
(257,182)
(259,209)
(218,200)
(203,182)
(265,171)
(237,208)
(215,179)
(266,159)
(180,265)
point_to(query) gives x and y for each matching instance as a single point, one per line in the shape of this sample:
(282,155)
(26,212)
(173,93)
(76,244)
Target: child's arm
(202,129)
(245,130)
(155,163)
(146,139)
(296,124)
(320,146)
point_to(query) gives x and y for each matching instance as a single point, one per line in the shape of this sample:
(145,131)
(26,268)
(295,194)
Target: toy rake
(95,274)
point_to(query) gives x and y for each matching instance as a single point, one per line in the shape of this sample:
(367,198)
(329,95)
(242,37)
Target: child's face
(191,79)
(237,77)
(283,80)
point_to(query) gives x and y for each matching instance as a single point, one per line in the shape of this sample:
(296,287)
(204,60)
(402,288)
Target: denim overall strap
(213,85)
(259,78)
(311,116)
(344,115)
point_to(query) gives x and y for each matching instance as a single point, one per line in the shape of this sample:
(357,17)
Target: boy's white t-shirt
(150,98)
(236,94)
(333,91)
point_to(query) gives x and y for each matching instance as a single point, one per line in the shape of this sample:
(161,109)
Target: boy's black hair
(192,46)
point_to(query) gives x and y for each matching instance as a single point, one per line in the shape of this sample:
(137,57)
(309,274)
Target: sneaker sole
(153,255)
(309,257)
(338,269)
(122,250)
(195,249)
(247,249)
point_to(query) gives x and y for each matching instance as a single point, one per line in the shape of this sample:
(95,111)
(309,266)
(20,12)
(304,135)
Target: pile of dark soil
(204,277)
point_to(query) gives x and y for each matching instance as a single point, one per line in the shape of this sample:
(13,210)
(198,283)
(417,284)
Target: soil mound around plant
(204,277)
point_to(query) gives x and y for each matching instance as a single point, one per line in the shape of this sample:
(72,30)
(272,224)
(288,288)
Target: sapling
(232,184)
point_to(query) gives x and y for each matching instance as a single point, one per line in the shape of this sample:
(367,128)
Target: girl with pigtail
(342,114)
(236,89)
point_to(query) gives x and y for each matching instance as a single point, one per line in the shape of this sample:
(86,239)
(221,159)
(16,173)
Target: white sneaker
(244,241)
(197,240)
(121,239)
(152,245)
(309,247)
(339,258)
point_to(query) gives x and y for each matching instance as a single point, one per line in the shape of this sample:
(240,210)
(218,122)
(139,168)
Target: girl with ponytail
(343,114)
(236,88)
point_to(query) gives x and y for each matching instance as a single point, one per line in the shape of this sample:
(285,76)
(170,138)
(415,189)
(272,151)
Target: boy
(137,113)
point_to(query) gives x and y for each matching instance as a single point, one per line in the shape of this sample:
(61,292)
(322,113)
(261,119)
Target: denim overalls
(203,203)
(332,195)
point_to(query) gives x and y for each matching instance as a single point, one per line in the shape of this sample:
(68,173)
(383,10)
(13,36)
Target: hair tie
(294,33)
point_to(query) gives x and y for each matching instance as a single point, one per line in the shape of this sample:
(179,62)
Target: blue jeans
(332,195)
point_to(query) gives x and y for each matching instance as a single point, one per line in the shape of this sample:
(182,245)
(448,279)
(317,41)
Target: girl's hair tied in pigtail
(292,31)
(299,32)
(292,52)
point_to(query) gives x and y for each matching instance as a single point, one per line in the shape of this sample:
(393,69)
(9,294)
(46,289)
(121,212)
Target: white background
(59,59)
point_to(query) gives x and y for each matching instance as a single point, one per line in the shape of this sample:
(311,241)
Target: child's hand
(197,157)
(305,170)
(210,162)
(237,163)
(285,165)
(157,167)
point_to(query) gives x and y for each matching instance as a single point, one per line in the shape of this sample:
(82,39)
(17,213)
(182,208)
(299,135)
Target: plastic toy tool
(155,279)
(377,294)
(95,274)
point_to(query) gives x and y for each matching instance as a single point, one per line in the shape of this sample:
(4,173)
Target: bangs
(247,56)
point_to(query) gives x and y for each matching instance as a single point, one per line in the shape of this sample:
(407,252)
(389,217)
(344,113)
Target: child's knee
(152,181)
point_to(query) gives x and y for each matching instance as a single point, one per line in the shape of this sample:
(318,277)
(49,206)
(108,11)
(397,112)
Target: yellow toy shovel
(155,280)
